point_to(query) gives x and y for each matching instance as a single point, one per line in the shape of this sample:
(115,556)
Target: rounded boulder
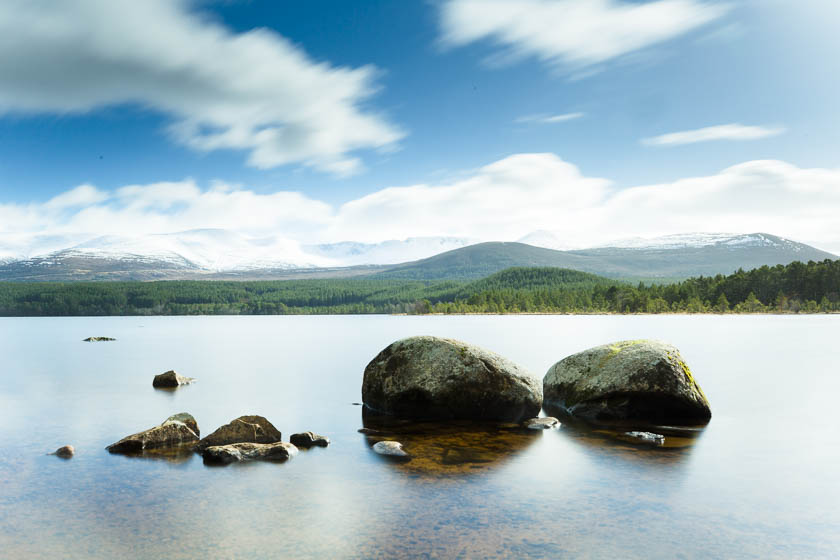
(636,380)
(440,378)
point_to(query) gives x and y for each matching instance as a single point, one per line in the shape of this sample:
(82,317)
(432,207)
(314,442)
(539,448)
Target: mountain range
(221,254)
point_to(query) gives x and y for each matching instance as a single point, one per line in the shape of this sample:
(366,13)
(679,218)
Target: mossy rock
(440,378)
(636,380)
(245,429)
(177,430)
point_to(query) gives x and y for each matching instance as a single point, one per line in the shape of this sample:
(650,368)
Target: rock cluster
(629,383)
(247,438)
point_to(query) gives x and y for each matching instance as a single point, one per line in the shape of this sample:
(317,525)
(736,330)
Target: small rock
(369,431)
(65,451)
(171,379)
(245,429)
(647,437)
(547,423)
(390,449)
(99,339)
(308,439)
(246,451)
(178,429)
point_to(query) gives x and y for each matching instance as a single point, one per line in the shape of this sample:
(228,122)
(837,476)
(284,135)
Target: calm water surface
(760,482)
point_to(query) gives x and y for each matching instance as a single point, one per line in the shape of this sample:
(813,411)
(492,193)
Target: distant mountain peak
(700,239)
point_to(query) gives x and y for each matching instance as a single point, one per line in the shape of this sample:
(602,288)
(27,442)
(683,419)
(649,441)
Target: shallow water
(759,482)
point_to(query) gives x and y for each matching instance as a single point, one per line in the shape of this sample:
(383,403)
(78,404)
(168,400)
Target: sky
(326,121)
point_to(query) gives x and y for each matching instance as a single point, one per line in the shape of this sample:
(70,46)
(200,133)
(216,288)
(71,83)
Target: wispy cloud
(734,131)
(504,201)
(252,91)
(549,119)
(571,33)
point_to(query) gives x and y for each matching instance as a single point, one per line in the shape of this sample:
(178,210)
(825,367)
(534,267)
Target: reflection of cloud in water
(448,448)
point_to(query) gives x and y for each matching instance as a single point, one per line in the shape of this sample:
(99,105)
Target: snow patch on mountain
(697,240)
(545,239)
(351,253)
(208,249)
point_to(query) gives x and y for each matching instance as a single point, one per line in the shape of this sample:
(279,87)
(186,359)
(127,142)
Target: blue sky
(346,103)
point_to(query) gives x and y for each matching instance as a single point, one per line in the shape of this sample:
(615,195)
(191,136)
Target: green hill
(483,259)
(648,264)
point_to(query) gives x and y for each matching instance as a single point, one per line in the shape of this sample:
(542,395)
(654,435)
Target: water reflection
(632,441)
(174,454)
(451,448)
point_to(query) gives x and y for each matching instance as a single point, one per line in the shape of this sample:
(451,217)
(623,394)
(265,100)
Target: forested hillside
(797,287)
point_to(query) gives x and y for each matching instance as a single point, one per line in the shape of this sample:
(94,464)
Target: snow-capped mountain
(207,249)
(217,253)
(196,253)
(696,240)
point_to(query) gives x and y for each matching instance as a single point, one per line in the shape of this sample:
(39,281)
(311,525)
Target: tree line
(795,288)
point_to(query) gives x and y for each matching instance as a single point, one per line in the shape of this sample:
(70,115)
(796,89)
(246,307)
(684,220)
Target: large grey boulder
(637,380)
(246,451)
(245,429)
(177,430)
(430,377)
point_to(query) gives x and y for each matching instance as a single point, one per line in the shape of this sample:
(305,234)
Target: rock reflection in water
(176,454)
(632,440)
(454,447)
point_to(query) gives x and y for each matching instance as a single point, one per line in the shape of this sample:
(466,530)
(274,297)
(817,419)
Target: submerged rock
(308,439)
(177,430)
(639,380)
(99,339)
(647,437)
(171,379)
(65,451)
(246,451)
(547,423)
(245,429)
(390,449)
(430,377)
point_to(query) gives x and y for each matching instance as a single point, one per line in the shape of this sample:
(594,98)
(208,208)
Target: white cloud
(734,131)
(571,33)
(549,119)
(252,91)
(502,201)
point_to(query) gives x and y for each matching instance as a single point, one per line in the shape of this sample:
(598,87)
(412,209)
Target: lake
(761,481)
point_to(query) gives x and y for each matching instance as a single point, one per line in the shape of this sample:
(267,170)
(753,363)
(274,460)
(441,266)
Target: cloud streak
(549,119)
(252,91)
(571,34)
(734,131)
(504,201)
